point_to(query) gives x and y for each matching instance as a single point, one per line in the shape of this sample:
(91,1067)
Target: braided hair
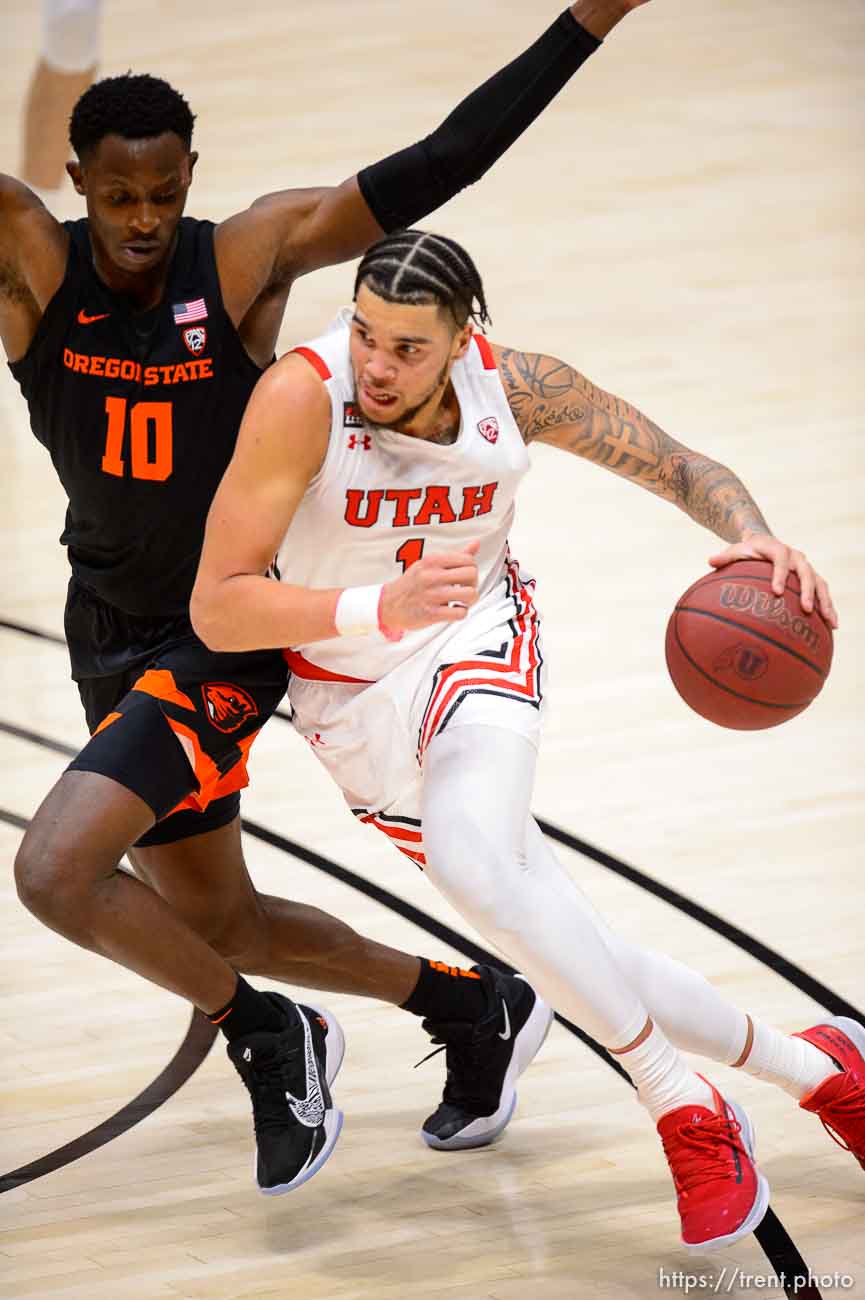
(417,267)
(134,106)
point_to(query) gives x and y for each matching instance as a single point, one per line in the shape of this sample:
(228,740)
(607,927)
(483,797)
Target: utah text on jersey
(437,504)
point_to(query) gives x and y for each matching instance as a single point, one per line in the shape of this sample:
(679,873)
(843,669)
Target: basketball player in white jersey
(386,455)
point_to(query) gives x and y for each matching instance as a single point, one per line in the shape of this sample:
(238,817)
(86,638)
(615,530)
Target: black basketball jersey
(140,414)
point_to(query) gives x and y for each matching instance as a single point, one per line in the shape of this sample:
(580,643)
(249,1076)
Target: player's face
(136,192)
(402,356)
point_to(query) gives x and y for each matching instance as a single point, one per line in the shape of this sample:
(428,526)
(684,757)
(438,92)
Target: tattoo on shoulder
(542,392)
(553,402)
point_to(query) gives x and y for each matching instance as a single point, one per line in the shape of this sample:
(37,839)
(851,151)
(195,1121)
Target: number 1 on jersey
(410,552)
(144,416)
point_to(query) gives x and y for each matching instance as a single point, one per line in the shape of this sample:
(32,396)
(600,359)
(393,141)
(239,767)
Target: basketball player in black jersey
(137,336)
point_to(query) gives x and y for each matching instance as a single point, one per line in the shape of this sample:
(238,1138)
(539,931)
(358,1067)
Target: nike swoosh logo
(309,1110)
(84,319)
(506,1035)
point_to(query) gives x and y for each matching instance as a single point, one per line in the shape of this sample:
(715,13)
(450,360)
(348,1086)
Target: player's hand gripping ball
(742,656)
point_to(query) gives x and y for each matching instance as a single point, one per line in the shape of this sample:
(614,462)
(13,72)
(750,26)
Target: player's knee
(477,868)
(47,877)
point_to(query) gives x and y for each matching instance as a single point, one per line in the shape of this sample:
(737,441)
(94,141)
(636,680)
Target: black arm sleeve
(410,184)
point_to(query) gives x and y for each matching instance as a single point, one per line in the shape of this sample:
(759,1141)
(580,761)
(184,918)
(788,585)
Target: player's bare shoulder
(34,248)
(289,415)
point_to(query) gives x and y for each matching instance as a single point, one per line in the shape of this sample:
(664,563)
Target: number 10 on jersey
(148,451)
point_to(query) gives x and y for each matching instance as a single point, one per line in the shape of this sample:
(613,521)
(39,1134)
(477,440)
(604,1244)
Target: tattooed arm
(553,403)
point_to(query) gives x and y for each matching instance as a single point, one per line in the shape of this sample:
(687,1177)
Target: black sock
(446,993)
(248,1012)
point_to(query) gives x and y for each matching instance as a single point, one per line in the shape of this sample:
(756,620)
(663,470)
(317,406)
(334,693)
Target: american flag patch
(184,312)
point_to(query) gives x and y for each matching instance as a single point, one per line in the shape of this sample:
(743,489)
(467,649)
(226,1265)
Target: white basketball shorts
(487,670)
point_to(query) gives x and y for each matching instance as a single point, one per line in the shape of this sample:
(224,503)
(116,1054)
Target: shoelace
(693,1151)
(465,1060)
(266,1087)
(843,1110)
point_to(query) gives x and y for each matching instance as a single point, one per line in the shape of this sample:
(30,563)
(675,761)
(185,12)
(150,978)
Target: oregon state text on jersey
(383,499)
(140,414)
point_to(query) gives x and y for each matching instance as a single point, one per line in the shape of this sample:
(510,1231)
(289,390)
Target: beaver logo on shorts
(228,706)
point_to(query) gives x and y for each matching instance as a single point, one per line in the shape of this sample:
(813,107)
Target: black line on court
(186,1060)
(20,823)
(36,632)
(780,1250)
(788,970)
(35,738)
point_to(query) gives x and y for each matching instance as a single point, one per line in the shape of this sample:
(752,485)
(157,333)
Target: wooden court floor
(685,226)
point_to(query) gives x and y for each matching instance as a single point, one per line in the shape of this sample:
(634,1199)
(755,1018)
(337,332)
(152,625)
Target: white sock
(790,1063)
(664,1082)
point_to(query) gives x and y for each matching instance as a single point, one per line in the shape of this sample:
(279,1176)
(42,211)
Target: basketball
(743,657)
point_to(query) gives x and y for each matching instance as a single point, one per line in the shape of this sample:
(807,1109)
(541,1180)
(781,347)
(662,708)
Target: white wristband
(357,610)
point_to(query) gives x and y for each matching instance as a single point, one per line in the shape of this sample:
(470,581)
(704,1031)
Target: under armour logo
(315,739)
(247,1054)
(365,443)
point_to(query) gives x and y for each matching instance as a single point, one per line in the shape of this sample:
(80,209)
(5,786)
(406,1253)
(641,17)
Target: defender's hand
(436,589)
(763,546)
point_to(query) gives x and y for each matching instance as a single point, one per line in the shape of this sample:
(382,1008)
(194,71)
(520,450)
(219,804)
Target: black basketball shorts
(175,724)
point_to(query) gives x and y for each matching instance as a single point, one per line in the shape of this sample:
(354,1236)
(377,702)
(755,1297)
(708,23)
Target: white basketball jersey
(383,499)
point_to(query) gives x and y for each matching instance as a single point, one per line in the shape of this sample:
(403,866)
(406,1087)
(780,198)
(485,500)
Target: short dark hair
(135,106)
(415,266)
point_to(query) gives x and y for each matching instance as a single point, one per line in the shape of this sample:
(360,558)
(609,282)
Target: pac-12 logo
(489,429)
(195,339)
(228,706)
(351,416)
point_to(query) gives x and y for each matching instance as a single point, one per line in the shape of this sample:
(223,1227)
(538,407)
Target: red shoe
(721,1194)
(839,1101)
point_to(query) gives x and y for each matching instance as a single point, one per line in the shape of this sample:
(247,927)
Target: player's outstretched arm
(298,231)
(553,403)
(33,251)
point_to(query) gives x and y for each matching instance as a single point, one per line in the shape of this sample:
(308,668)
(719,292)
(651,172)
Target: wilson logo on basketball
(771,608)
(489,429)
(195,339)
(228,706)
(748,661)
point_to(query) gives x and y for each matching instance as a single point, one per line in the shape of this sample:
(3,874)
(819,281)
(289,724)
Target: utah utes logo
(489,429)
(228,707)
(195,339)
(749,662)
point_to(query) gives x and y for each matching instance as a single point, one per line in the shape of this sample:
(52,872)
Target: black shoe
(288,1075)
(484,1060)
